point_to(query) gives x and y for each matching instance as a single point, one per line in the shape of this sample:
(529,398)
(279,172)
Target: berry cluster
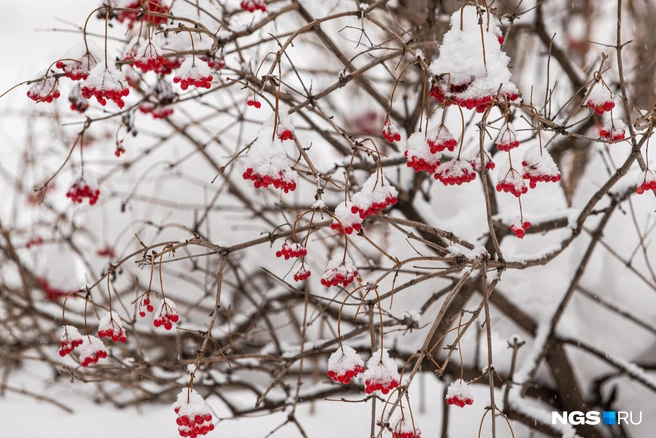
(285,128)
(213,62)
(511,182)
(403,426)
(481,103)
(81,190)
(148,58)
(646,181)
(440,139)
(474,158)
(77,101)
(507,138)
(382,373)
(157,111)
(344,364)
(105,84)
(254,103)
(613,130)
(376,195)
(253,5)
(345,221)
(391,131)
(34,241)
(70,340)
(295,250)
(600,99)
(110,327)
(339,272)
(44,89)
(459,394)
(106,251)
(145,303)
(80,60)
(519,227)
(538,166)
(264,181)
(52,293)
(455,172)
(91,351)
(166,315)
(145,10)
(302,274)
(194,72)
(420,155)
(193,415)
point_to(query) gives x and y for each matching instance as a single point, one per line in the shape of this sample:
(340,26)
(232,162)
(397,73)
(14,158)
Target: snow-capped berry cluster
(455,172)
(344,364)
(613,130)
(215,63)
(440,139)
(511,181)
(345,221)
(166,315)
(382,373)
(194,71)
(459,394)
(91,351)
(267,163)
(194,416)
(474,158)
(339,272)
(519,226)
(144,303)
(110,327)
(70,340)
(465,77)
(538,166)
(77,101)
(376,195)
(391,131)
(105,83)
(302,274)
(81,190)
(148,58)
(293,250)
(253,5)
(52,293)
(600,99)
(507,138)
(145,11)
(646,181)
(44,89)
(403,426)
(34,241)
(285,129)
(80,60)
(419,154)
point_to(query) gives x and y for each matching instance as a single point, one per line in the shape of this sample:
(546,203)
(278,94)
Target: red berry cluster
(535,178)
(48,97)
(115,335)
(406,434)
(646,181)
(511,187)
(102,95)
(347,375)
(253,5)
(254,103)
(70,340)
(166,316)
(93,358)
(80,105)
(302,274)
(375,208)
(506,147)
(202,82)
(150,6)
(145,303)
(34,241)
(158,112)
(455,172)
(80,190)
(77,70)
(449,144)
(391,132)
(480,103)
(213,62)
(265,181)
(520,228)
(285,135)
(152,63)
(52,293)
(343,274)
(346,230)
(193,426)
(384,386)
(295,250)
(106,251)
(170,64)
(458,401)
(419,164)
(612,134)
(440,139)
(599,109)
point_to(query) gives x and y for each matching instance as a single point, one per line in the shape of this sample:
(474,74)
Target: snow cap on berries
(267,163)
(510,180)
(194,71)
(507,138)
(382,373)
(403,426)
(302,274)
(105,83)
(455,172)
(474,158)
(459,394)
(519,226)
(538,166)
(600,99)
(344,364)
(291,250)
(110,327)
(376,195)
(345,220)
(285,128)
(149,57)
(419,154)
(646,181)
(166,315)
(44,89)
(613,130)
(339,271)
(391,131)
(70,340)
(80,60)
(468,77)
(440,138)
(194,417)
(91,351)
